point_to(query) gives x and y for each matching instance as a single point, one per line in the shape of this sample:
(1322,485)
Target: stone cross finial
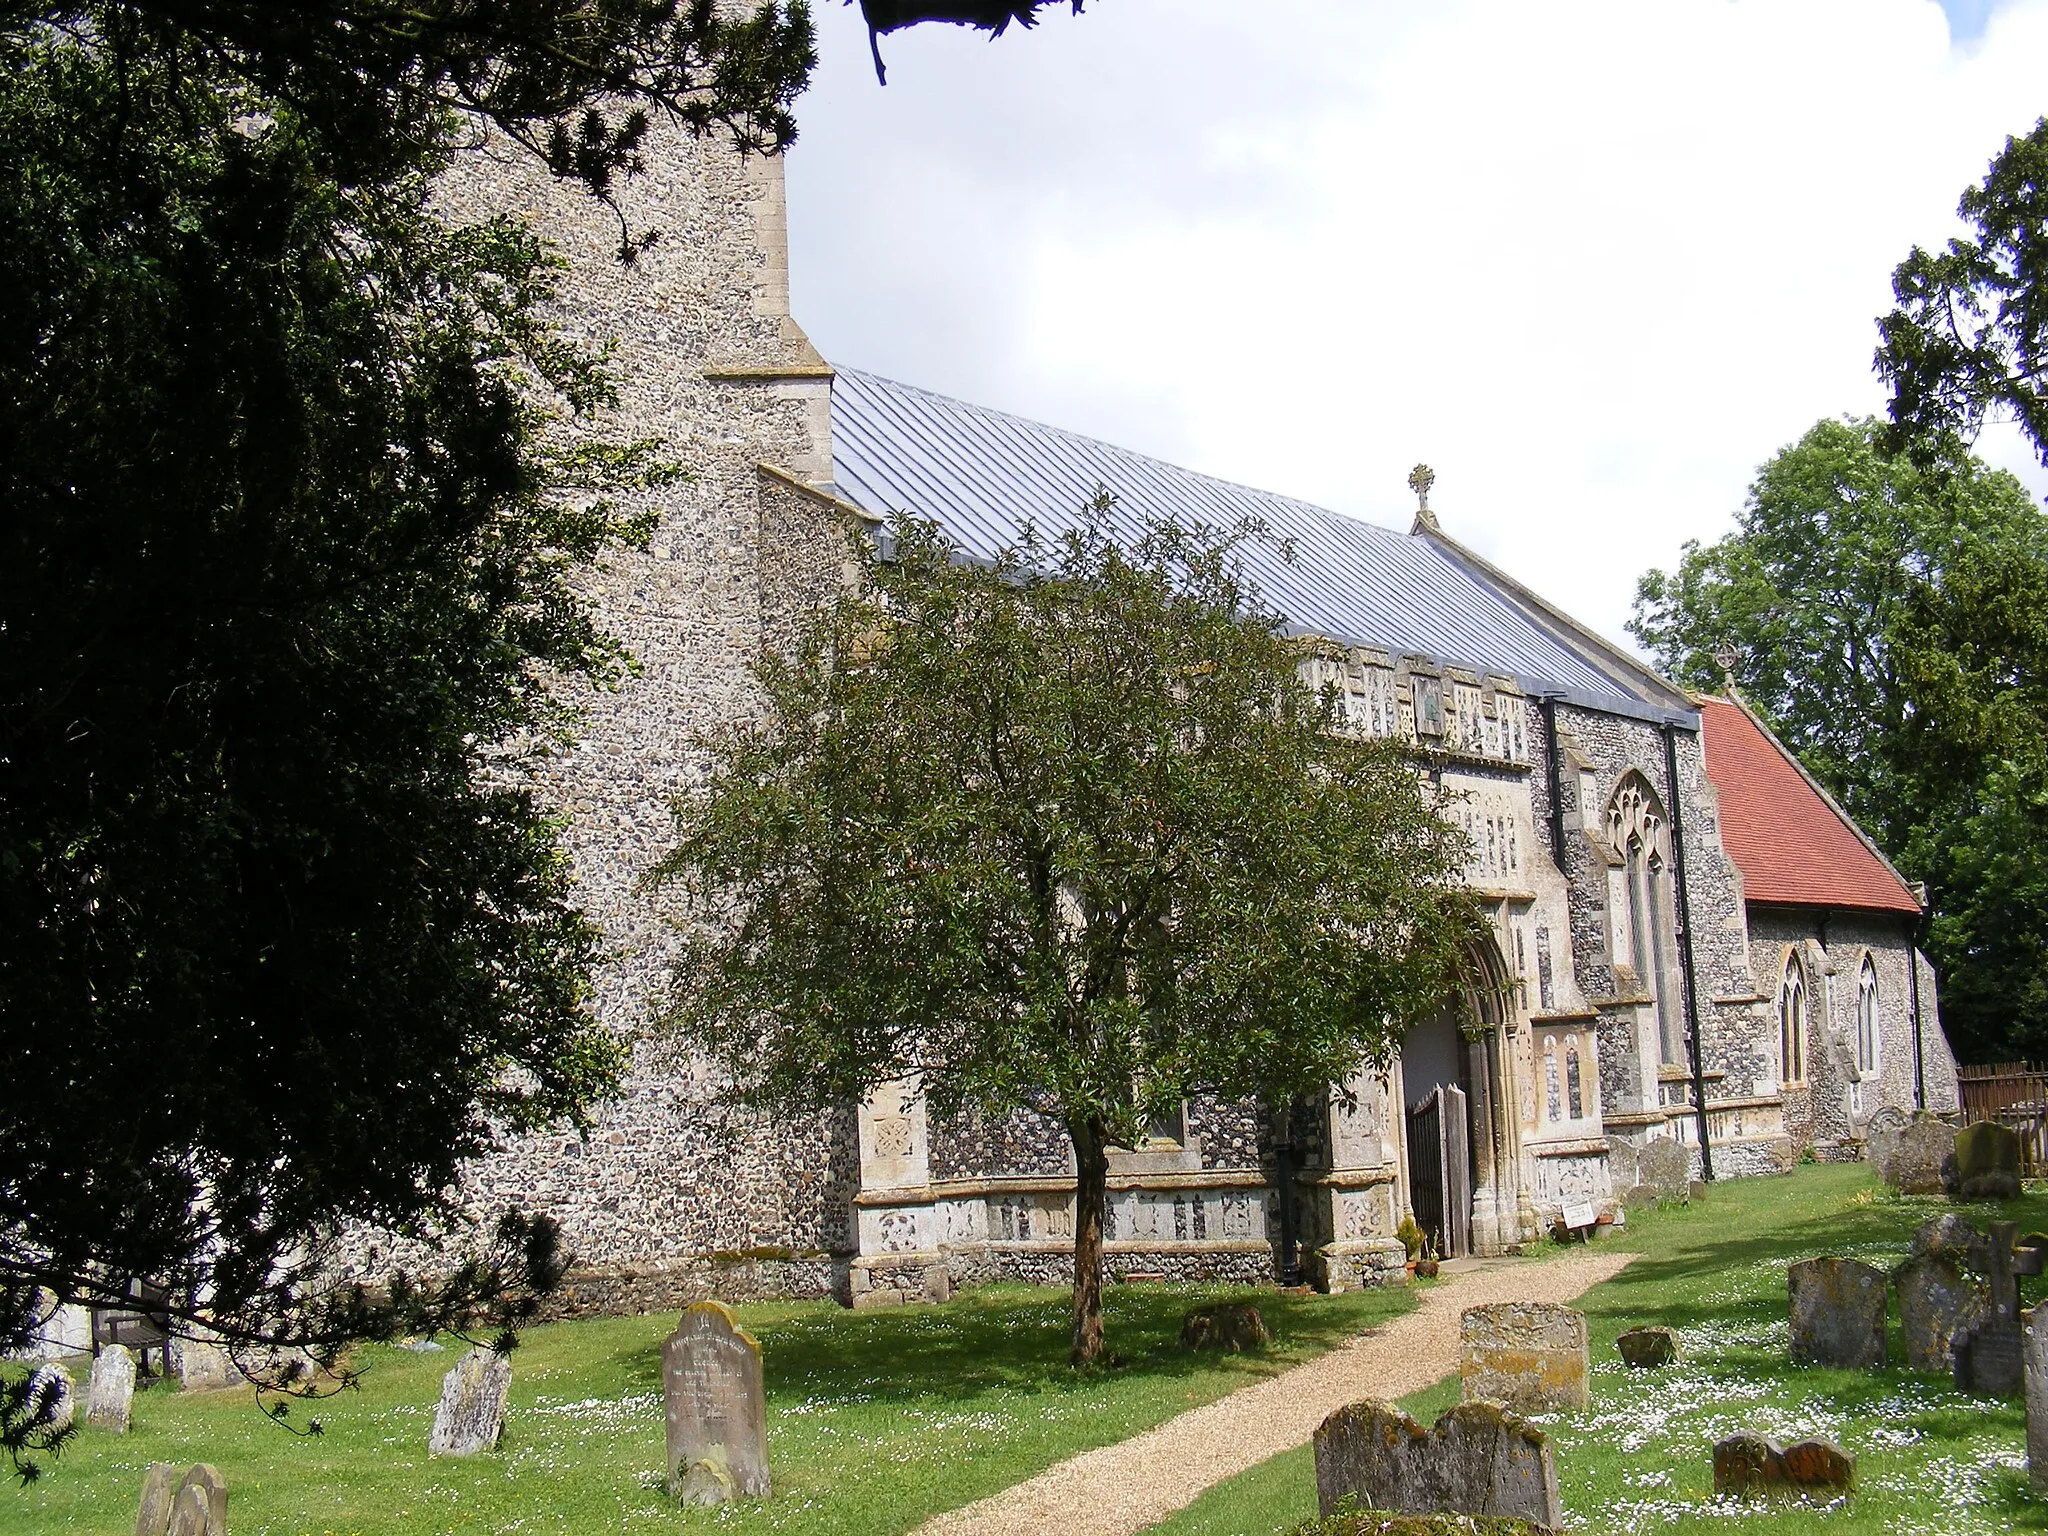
(1725,657)
(1420,479)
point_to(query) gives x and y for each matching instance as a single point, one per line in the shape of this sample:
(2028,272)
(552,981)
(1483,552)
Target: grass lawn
(876,1421)
(1929,1458)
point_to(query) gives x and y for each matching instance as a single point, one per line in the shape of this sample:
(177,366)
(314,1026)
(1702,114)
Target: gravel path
(1120,1489)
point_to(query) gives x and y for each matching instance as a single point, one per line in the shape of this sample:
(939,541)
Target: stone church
(1656,868)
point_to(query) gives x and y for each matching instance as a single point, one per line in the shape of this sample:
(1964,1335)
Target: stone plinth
(1837,1313)
(1532,1356)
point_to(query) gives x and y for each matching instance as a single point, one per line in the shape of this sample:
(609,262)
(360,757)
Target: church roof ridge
(980,472)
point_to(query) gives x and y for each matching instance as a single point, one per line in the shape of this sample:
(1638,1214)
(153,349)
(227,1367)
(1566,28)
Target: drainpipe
(1283,1160)
(1684,904)
(1913,1003)
(1549,707)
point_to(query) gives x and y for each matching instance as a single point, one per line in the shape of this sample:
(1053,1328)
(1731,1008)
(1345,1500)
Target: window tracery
(1792,1021)
(1640,837)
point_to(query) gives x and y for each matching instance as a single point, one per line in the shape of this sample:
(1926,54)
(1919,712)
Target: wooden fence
(2014,1094)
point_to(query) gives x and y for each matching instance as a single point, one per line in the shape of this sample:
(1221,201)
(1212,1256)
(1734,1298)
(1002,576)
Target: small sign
(1580,1215)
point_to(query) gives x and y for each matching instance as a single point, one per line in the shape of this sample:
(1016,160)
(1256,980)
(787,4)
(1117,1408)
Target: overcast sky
(1592,261)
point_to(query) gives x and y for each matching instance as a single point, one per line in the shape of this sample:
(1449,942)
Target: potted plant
(1428,1264)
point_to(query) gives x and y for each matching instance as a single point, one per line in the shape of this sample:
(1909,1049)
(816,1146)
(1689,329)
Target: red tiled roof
(1791,845)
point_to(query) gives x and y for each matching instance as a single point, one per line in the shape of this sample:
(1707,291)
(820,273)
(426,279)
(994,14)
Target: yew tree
(1064,834)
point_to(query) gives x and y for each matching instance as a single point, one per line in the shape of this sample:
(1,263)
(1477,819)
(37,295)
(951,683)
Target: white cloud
(1592,261)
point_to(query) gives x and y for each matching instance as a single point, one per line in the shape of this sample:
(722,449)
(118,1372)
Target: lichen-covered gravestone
(194,1505)
(1837,1313)
(471,1417)
(1987,1162)
(1478,1460)
(50,1390)
(1910,1160)
(1646,1349)
(1989,1356)
(1227,1325)
(717,1410)
(204,1367)
(110,1391)
(1664,1168)
(1747,1464)
(1532,1356)
(1941,1289)
(2036,1337)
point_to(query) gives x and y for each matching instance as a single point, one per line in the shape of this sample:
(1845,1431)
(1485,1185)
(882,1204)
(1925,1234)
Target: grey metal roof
(980,473)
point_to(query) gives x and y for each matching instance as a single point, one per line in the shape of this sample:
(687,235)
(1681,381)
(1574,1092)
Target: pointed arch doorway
(1450,1069)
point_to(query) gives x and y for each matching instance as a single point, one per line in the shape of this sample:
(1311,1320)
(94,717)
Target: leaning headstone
(1478,1460)
(49,1387)
(1664,1167)
(110,1392)
(153,1514)
(200,1507)
(717,1411)
(472,1412)
(1990,1357)
(1532,1356)
(2034,1346)
(1837,1313)
(1987,1162)
(1747,1464)
(1645,1349)
(1910,1161)
(1227,1325)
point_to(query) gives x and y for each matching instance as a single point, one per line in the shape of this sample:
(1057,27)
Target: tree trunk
(1091,1200)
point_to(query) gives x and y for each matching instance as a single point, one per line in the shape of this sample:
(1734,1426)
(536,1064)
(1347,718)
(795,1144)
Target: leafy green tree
(1861,594)
(1970,333)
(1067,836)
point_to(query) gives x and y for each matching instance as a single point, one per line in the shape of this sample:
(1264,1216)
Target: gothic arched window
(1869,1023)
(1792,1021)
(1637,832)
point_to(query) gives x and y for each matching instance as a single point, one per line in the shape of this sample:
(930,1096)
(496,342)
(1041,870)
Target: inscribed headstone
(1478,1460)
(110,1392)
(1645,1349)
(1837,1313)
(1987,1162)
(717,1410)
(1989,1357)
(2034,1344)
(50,1390)
(1747,1464)
(472,1412)
(1532,1356)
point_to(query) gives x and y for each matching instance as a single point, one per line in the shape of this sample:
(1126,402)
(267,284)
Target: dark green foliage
(1969,337)
(1887,618)
(285,567)
(1068,835)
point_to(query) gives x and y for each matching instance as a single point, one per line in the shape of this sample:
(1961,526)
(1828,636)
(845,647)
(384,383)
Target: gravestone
(472,1412)
(1837,1313)
(1532,1356)
(1911,1159)
(1645,1349)
(204,1367)
(717,1412)
(50,1384)
(1987,1162)
(1664,1167)
(2036,1337)
(1747,1464)
(1228,1325)
(110,1391)
(1937,1301)
(153,1514)
(1990,1357)
(1478,1460)
(194,1505)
